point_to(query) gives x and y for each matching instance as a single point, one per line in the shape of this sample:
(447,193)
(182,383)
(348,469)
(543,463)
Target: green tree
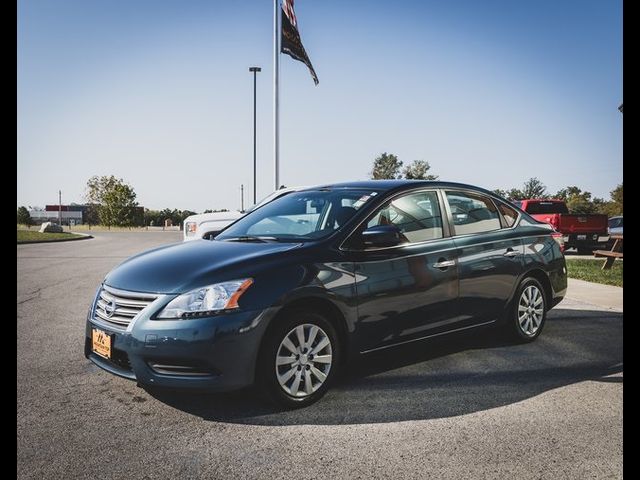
(565,193)
(512,194)
(500,192)
(577,201)
(516,194)
(23,216)
(534,188)
(614,206)
(182,215)
(386,166)
(616,199)
(166,213)
(114,200)
(152,217)
(581,203)
(418,170)
(158,217)
(92,214)
(599,205)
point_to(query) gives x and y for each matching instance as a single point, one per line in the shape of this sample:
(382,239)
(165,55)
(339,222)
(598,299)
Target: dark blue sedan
(287,294)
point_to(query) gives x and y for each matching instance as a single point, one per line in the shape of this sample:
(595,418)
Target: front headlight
(206,300)
(190,228)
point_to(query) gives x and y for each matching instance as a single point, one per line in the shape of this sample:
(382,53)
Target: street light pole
(60,207)
(276,94)
(255,70)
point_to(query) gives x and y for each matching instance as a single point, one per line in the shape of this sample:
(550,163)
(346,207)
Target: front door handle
(510,253)
(444,263)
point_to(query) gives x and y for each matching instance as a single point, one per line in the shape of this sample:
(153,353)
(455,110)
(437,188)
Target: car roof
(389,185)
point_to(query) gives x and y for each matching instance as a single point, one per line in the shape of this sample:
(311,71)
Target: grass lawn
(35,236)
(102,228)
(591,271)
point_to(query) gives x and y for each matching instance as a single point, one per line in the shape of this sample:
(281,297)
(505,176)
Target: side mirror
(382,236)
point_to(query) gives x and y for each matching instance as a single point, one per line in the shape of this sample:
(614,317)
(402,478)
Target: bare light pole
(242,197)
(255,70)
(276,91)
(60,207)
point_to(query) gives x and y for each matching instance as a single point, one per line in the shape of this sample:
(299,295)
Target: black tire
(520,333)
(266,371)
(585,251)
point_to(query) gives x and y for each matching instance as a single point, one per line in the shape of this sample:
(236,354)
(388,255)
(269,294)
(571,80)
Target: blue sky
(158,92)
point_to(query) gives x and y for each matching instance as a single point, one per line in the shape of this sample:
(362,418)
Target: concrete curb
(596,294)
(82,236)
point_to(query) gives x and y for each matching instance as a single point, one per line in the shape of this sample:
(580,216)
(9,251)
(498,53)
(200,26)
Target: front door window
(416,215)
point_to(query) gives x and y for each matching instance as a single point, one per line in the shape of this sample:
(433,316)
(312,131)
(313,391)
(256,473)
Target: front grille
(119,307)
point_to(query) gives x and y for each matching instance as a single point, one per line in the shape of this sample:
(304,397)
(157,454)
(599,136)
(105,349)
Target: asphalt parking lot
(472,406)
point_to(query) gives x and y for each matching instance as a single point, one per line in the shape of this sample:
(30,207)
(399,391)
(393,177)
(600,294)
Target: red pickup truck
(584,232)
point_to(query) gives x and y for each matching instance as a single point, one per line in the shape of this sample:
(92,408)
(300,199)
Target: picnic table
(611,255)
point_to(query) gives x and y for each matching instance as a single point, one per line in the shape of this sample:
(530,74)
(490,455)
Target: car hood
(181,267)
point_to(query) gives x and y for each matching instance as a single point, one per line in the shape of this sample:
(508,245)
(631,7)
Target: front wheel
(299,359)
(529,311)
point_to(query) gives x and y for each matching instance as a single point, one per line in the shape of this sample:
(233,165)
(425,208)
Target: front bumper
(215,353)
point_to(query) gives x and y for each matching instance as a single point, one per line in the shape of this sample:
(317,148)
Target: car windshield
(267,199)
(299,216)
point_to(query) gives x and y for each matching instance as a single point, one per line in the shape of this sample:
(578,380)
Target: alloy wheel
(530,310)
(303,360)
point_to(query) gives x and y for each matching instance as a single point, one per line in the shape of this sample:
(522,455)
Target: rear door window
(472,213)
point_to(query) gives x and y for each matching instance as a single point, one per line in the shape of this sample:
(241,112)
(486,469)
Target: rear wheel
(299,359)
(529,311)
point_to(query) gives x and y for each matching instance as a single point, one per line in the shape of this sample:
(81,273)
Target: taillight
(557,236)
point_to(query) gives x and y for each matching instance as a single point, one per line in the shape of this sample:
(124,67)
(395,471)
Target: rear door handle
(444,264)
(510,253)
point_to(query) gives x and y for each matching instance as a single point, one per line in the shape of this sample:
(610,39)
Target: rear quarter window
(509,214)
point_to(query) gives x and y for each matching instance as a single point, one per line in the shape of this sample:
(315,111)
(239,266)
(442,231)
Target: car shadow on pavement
(448,376)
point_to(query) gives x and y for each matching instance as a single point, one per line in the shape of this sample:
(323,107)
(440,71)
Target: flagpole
(276,106)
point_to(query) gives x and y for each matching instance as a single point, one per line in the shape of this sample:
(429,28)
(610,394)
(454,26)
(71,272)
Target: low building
(69,214)
(74,214)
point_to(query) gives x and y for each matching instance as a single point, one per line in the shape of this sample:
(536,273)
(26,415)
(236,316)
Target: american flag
(287,8)
(290,38)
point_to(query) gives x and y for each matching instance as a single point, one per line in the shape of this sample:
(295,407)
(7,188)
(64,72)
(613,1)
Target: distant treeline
(111,201)
(578,200)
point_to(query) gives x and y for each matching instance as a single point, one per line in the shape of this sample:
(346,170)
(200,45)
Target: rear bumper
(586,240)
(558,279)
(215,353)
